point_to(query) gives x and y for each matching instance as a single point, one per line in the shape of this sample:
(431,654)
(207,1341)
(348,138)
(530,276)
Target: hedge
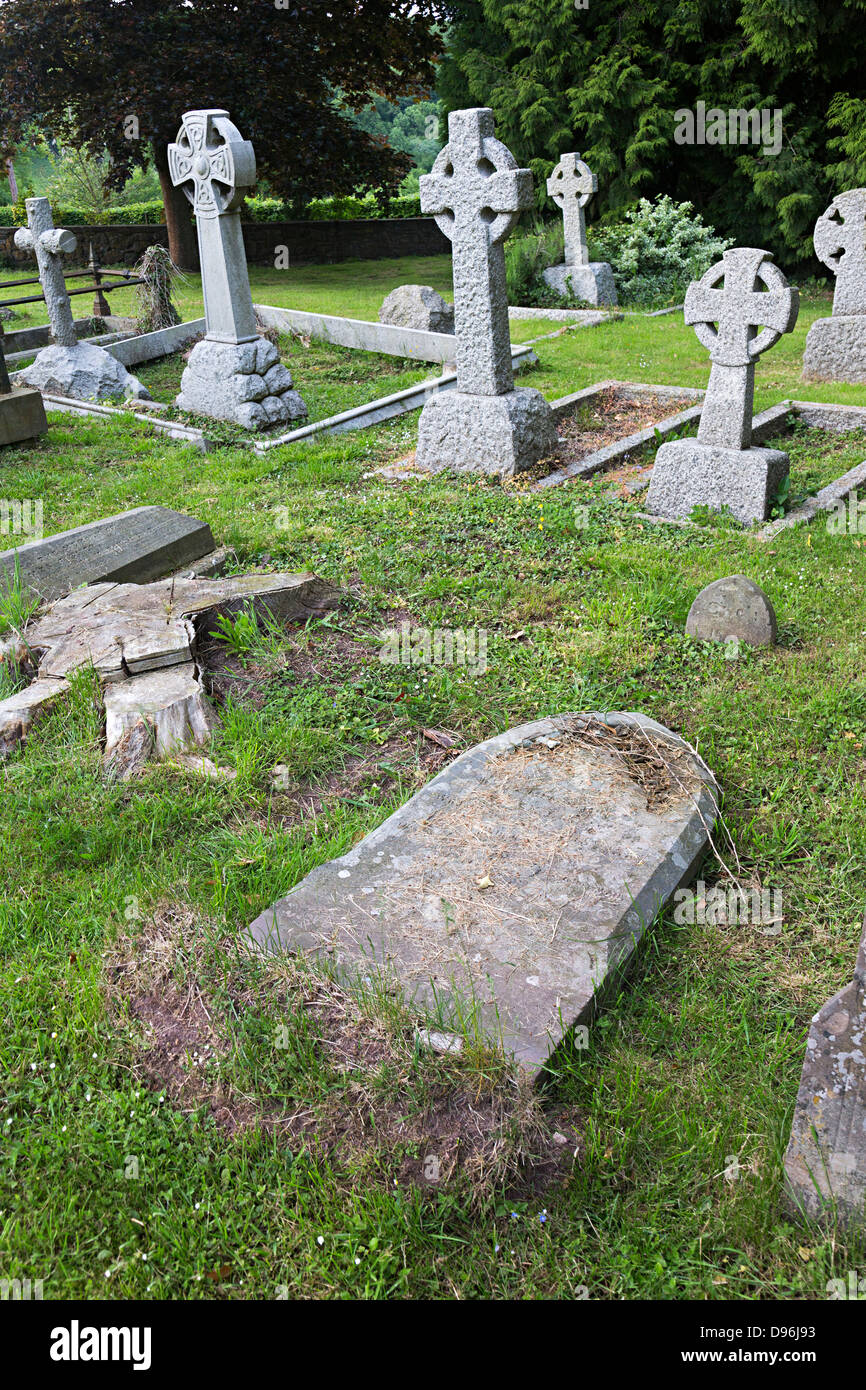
(255,210)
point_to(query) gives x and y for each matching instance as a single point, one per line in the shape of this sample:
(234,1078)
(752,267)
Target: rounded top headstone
(733,607)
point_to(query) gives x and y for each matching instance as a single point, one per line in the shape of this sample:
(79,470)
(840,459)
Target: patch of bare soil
(369,1106)
(609,417)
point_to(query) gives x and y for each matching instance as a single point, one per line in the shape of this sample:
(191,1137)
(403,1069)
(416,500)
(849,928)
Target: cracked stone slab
(19,712)
(125,629)
(171,703)
(137,545)
(517,883)
(825,1165)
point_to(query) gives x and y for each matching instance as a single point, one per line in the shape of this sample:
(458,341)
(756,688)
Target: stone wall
(364,239)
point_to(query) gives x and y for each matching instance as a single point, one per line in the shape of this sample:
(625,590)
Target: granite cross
(571,185)
(221,166)
(738,310)
(840,242)
(47,242)
(476,193)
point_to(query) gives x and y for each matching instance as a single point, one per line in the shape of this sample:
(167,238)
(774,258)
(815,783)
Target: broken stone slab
(19,712)
(417,306)
(512,889)
(171,703)
(825,1164)
(733,606)
(125,629)
(137,545)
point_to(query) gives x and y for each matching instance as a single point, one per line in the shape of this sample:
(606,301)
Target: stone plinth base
(687,474)
(244,383)
(485,434)
(85,372)
(22,415)
(836,349)
(592,283)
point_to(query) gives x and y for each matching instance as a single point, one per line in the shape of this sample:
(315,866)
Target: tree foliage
(115,76)
(608,80)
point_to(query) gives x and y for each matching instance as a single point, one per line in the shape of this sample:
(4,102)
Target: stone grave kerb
(476,193)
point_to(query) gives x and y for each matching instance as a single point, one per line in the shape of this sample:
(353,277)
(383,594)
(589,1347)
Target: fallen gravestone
(138,545)
(232,374)
(721,468)
(825,1165)
(733,607)
(67,368)
(571,185)
(141,640)
(476,193)
(417,306)
(22,414)
(836,347)
(511,891)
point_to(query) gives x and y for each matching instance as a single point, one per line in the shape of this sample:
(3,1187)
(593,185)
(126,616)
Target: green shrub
(526,259)
(656,249)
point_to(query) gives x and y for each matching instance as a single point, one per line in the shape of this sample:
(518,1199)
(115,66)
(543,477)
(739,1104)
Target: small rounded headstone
(418,306)
(733,607)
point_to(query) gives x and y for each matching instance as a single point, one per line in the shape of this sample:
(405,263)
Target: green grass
(117,894)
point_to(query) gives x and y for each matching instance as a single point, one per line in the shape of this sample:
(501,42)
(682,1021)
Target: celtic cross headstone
(476,193)
(738,309)
(836,347)
(232,374)
(571,185)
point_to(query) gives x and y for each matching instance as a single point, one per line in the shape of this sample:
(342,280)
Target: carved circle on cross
(572,179)
(211,154)
(840,230)
(467,189)
(740,269)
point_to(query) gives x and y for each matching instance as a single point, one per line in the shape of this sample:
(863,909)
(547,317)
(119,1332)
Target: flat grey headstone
(134,546)
(825,1165)
(520,878)
(733,606)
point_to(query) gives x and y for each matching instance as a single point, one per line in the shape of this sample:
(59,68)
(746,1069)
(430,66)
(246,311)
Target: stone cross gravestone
(836,347)
(232,374)
(476,193)
(571,185)
(721,468)
(22,414)
(67,368)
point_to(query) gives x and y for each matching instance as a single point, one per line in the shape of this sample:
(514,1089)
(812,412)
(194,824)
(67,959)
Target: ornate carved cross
(476,193)
(211,155)
(726,321)
(571,185)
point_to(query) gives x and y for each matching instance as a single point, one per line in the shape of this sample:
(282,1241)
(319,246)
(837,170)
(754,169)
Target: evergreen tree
(608,80)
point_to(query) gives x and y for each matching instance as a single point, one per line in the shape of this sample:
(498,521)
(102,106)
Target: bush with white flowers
(655,250)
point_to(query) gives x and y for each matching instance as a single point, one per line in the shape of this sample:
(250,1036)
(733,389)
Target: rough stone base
(84,372)
(592,283)
(418,306)
(485,434)
(22,415)
(825,1166)
(244,383)
(688,474)
(836,349)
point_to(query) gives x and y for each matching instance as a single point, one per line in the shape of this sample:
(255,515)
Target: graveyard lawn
(180,1121)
